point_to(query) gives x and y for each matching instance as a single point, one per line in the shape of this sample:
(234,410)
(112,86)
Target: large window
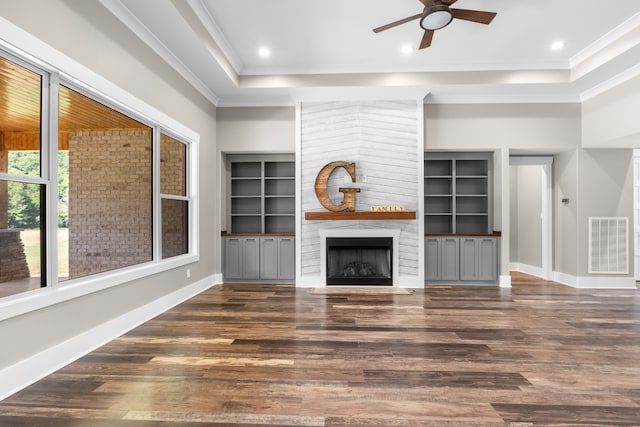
(109,200)
(23,186)
(102,191)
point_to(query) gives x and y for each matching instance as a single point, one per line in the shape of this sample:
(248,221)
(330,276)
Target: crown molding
(605,41)
(212,27)
(120,11)
(611,83)
(541,98)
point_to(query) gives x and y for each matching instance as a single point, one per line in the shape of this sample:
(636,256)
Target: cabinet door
(487,259)
(251,258)
(450,258)
(286,258)
(432,252)
(269,258)
(468,258)
(233,258)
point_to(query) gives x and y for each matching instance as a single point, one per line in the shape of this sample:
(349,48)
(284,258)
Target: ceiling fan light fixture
(436,16)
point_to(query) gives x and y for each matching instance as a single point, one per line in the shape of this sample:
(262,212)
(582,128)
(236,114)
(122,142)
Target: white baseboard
(410,282)
(310,282)
(595,282)
(606,282)
(527,269)
(580,282)
(26,372)
(505,281)
(565,279)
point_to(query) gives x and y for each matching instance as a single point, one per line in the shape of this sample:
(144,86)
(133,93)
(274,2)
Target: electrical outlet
(188,273)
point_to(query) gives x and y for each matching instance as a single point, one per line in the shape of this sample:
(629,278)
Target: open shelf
(262,195)
(458,192)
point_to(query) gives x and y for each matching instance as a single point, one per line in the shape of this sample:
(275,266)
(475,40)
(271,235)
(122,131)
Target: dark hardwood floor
(272,355)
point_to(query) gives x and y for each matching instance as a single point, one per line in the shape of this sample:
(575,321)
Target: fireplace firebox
(359,261)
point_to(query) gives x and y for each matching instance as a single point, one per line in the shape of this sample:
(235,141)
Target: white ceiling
(326,49)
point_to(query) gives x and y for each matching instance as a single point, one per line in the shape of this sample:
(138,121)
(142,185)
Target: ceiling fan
(437,14)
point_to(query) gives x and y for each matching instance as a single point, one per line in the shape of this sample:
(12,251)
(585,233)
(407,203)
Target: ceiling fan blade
(396,23)
(426,39)
(478,16)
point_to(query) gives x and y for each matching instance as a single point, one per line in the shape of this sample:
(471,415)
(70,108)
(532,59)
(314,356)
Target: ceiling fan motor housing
(436,16)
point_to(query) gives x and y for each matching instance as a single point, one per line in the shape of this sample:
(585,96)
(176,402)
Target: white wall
(90,35)
(611,119)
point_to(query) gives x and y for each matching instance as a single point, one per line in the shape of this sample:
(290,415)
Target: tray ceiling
(327,49)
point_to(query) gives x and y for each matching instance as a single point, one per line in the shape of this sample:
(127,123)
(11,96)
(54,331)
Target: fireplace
(359,261)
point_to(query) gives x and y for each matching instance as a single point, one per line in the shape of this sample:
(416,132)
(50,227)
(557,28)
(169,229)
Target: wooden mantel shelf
(364,215)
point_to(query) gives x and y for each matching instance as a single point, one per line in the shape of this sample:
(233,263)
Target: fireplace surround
(383,245)
(359,261)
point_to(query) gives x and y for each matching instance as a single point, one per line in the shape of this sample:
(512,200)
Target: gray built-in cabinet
(259,258)
(260,244)
(461,259)
(460,245)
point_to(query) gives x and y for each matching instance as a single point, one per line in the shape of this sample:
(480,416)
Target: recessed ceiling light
(558,45)
(407,49)
(264,52)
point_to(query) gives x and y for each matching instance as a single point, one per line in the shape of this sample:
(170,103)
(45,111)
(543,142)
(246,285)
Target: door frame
(547,206)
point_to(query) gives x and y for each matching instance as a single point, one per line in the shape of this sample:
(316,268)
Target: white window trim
(22,44)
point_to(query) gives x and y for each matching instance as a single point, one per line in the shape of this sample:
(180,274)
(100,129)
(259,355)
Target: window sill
(37,299)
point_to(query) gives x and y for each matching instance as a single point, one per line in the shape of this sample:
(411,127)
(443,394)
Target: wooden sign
(386,208)
(322,180)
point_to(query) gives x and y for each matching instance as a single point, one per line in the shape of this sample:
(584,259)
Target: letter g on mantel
(322,180)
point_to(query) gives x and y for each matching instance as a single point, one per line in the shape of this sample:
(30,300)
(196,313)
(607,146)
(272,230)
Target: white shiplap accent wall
(382,138)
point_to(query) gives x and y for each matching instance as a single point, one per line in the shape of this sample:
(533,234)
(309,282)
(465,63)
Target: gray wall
(598,183)
(525,128)
(256,129)
(605,189)
(565,176)
(89,34)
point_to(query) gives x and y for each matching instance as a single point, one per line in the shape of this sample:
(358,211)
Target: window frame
(56,69)
(46,171)
(189,161)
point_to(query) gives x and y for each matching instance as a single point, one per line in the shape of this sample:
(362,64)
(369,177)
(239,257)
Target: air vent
(608,245)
